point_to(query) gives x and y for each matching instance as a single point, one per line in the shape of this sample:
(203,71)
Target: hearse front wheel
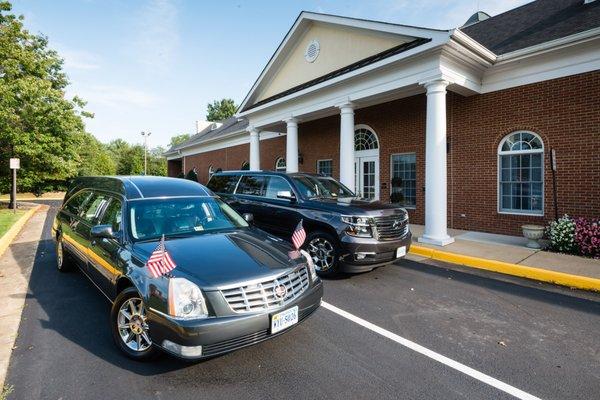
(64,263)
(129,326)
(324,250)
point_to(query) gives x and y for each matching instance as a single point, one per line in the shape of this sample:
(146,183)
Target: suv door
(248,199)
(282,214)
(104,252)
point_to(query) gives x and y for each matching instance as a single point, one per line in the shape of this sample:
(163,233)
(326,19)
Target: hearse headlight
(186,300)
(310,263)
(358,226)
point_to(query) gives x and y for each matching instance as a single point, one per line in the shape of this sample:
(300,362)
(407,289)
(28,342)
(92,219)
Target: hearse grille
(261,296)
(391,227)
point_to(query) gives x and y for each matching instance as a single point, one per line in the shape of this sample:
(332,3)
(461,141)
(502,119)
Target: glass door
(366,173)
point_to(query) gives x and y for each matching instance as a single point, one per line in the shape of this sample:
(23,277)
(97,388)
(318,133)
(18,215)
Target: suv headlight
(311,264)
(186,300)
(358,226)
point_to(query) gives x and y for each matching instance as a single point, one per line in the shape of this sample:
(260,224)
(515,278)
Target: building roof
(535,23)
(230,125)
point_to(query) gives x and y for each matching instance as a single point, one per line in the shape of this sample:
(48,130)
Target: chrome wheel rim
(59,254)
(322,253)
(132,325)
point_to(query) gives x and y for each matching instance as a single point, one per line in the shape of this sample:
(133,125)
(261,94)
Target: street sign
(15,163)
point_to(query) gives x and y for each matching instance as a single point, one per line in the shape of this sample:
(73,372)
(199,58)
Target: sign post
(15,164)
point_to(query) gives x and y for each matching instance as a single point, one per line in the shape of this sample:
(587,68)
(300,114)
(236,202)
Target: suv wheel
(64,263)
(129,326)
(324,250)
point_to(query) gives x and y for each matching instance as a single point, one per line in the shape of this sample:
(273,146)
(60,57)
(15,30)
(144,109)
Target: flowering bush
(587,237)
(562,235)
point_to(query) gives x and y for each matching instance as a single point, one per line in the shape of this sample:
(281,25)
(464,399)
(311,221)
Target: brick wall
(564,112)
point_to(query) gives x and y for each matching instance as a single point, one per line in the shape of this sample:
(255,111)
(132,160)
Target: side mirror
(103,231)
(286,195)
(248,217)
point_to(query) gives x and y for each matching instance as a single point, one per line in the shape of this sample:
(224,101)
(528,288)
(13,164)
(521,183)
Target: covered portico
(415,61)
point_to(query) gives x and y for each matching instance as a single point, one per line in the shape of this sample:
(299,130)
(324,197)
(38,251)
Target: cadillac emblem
(280,291)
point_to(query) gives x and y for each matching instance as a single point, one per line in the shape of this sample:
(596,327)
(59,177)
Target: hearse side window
(277,184)
(252,185)
(223,183)
(113,214)
(95,207)
(76,202)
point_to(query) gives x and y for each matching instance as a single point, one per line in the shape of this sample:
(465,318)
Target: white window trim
(392,172)
(500,153)
(277,162)
(325,159)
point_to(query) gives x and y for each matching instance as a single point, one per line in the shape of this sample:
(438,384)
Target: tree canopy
(37,123)
(178,139)
(219,110)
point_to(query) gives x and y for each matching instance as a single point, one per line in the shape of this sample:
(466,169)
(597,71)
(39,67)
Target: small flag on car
(299,236)
(160,262)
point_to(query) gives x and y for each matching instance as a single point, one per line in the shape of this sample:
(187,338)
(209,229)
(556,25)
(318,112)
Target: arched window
(245,166)
(280,164)
(521,174)
(211,171)
(365,139)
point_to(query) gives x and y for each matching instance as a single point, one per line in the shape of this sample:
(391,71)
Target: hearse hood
(354,206)
(212,260)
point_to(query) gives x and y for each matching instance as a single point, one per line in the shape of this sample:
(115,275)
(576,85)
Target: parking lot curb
(522,271)
(14,230)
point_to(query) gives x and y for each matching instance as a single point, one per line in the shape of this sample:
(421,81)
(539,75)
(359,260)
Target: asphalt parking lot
(435,333)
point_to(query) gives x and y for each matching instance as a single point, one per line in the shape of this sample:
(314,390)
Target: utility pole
(145,135)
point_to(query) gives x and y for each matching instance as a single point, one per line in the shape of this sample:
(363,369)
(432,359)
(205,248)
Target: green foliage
(219,110)
(562,235)
(178,139)
(37,123)
(129,159)
(96,159)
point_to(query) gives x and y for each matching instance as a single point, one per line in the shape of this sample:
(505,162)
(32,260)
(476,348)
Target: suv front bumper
(221,335)
(364,254)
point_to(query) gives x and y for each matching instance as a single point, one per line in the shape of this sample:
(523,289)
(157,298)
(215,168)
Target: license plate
(401,251)
(284,319)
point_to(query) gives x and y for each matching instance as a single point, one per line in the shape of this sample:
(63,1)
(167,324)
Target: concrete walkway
(14,280)
(512,249)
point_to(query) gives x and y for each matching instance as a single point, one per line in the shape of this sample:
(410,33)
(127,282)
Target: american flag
(160,262)
(299,235)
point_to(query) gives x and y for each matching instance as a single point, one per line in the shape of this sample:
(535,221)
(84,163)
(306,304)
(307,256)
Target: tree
(96,159)
(37,123)
(178,139)
(220,110)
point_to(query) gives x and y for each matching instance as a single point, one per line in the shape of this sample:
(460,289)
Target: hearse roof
(139,187)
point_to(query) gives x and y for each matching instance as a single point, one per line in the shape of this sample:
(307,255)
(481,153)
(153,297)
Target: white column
(347,145)
(254,149)
(291,145)
(436,225)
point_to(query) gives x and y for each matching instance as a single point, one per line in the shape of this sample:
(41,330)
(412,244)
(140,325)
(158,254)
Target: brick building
(462,126)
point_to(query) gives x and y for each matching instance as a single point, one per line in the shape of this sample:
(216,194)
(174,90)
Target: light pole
(145,135)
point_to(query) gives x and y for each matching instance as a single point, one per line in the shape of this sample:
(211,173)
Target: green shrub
(562,235)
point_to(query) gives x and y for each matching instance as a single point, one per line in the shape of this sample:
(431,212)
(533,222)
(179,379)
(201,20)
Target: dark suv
(344,233)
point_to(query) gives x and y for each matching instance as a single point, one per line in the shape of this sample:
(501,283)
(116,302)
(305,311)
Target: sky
(154,65)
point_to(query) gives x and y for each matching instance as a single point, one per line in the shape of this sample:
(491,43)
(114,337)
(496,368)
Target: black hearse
(344,233)
(233,285)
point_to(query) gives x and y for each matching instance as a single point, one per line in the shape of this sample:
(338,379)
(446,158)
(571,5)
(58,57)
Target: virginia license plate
(284,319)
(401,251)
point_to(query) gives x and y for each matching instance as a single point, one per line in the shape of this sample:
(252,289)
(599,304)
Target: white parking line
(480,376)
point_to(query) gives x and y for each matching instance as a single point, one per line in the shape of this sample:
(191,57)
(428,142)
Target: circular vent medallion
(312,51)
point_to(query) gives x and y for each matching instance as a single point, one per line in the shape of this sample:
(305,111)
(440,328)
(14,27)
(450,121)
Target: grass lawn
(7,219)
(31,196)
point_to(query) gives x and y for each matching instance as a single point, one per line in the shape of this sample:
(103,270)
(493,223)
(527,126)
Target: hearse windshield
(175,217)
(321,187)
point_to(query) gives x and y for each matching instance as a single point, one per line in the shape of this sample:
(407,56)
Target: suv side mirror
(248,217)
(286,195)
(103,231)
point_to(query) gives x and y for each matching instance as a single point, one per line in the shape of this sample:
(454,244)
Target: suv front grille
(261,296)
(391,227)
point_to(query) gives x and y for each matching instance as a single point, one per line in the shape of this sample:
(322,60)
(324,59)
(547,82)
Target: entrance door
(366,172)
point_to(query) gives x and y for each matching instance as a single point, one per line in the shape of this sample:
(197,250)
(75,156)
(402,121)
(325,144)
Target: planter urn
(533,233)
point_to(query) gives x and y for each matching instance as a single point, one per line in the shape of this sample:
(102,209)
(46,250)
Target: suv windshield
(150,219)
(321,187)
